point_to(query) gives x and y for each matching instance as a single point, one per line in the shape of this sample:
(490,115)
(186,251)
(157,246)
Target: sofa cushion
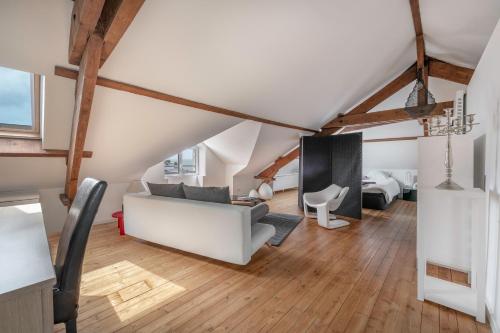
(258,212)
(167,190)
(209,194)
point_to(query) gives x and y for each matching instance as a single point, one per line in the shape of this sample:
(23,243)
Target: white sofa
(219,231)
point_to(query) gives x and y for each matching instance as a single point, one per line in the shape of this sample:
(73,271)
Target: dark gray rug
(284,224)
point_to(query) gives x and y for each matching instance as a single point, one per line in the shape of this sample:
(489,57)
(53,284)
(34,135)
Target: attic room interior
(299,166)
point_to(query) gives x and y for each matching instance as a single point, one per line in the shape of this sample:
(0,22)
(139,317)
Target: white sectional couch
(219,231)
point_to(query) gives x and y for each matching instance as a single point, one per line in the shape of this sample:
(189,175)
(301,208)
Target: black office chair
(71,250)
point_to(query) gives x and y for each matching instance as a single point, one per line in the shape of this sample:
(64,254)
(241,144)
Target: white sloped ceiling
(457,31)
(293,61)
(130,133)
(271,144)
(236,144)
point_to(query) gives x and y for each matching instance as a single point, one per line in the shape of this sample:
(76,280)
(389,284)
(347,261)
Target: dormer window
(19,104)
(185,163)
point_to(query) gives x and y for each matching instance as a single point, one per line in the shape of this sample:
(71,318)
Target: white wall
(54,213)
(244,183)
(231,172)
(484,99)
(235,148)
(431,170)
(287,177)
(214,170)
(390,155)
(272,143)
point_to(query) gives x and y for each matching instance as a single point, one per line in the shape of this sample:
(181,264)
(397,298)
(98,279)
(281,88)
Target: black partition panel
(330,160)
(316,173)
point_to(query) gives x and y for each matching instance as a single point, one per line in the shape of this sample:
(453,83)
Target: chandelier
(421,102)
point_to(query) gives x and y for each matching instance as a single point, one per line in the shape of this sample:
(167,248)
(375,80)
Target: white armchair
(326,201)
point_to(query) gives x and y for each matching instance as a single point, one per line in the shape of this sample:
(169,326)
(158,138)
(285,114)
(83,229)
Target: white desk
(26,271)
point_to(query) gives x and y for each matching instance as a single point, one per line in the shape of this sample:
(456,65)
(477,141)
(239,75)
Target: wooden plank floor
(357,279)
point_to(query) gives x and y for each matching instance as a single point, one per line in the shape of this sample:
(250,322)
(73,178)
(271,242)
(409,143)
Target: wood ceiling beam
(384,117)
(350,129)
(117,85)
(419,32)
(96,28)
(84,19)
(85,87)
(403,138)
(421,58)
(116,17)
(108,18)
(425,125)
(330,131)
(446,71)
(31,148)
(420,52)
(417,19)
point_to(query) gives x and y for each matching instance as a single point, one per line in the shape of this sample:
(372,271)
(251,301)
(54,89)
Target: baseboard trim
(491,320)
(104,221)
(286,189)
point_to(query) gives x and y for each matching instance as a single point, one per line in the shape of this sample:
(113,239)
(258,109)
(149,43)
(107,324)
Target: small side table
(119,215)
(409,194)
(245,201)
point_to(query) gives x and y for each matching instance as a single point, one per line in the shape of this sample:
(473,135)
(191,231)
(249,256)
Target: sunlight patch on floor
(135,289)
(30,208)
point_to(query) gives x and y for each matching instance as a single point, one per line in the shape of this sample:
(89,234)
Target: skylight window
(19,103)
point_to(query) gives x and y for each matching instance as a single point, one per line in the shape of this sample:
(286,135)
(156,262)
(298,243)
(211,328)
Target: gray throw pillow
(209,194)
(258,212)
(167,190)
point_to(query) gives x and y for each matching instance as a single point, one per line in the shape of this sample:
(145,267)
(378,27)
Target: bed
(379,190)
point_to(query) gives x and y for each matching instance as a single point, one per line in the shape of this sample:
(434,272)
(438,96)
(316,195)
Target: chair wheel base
(334,224)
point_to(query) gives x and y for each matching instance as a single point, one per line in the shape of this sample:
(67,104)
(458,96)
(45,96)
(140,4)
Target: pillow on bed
(378,175)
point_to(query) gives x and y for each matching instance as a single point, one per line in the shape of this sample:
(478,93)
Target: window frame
(178,167)
(23,131)
(180,164)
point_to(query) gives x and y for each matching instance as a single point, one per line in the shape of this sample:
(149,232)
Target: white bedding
(389,186)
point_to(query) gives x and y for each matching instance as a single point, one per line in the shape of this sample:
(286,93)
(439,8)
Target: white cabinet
(451,232)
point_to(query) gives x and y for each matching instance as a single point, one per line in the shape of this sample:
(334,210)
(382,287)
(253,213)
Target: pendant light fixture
(421,102)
